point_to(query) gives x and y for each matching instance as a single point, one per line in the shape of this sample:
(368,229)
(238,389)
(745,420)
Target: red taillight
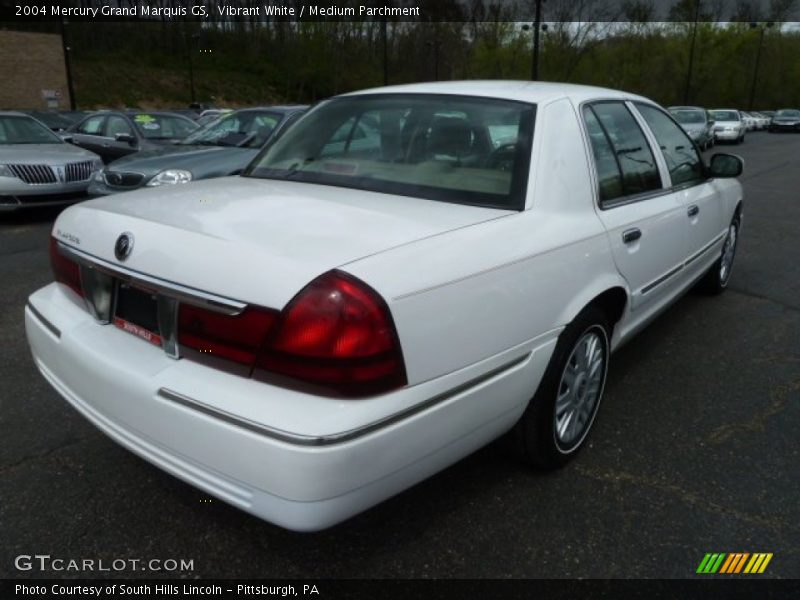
(64,270)
(235,338)
(337,333)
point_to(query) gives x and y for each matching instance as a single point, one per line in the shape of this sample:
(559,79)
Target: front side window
(623,142)
(683,161)
(438,147)
(24,130)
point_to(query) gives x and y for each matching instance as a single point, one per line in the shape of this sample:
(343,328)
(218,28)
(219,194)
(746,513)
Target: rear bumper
(728,135)
(779,127)
(302,462)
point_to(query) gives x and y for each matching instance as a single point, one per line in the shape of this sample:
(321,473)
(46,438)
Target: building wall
(32,66)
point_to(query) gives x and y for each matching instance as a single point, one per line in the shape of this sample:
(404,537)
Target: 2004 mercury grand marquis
(409,273)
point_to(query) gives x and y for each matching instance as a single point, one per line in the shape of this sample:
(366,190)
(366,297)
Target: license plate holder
(137,313)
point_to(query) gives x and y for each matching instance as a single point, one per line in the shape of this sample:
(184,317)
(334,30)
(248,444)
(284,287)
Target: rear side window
(625,164)
(683,161)
(92,125)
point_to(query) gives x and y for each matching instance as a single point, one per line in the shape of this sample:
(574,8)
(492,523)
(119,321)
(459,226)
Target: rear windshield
(725,115)
(163,127)
(441,147)
(689,117)
(246,129)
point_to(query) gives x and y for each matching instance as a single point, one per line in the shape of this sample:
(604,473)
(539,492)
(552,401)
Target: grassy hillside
(108,83)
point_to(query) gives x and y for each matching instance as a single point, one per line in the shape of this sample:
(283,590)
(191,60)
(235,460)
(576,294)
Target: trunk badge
(123,246)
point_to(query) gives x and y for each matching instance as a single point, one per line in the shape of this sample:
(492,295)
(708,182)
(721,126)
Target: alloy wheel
(580,389)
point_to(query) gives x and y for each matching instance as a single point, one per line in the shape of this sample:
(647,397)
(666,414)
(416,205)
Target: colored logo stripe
(758,563)
(734,562)
(710,563)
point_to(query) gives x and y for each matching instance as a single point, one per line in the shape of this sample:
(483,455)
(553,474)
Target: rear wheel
(715,281)
(557,421)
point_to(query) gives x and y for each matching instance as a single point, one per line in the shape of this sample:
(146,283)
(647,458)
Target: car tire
(559,417)
(716,279)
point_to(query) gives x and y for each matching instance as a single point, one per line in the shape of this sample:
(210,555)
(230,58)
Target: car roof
(537,92)
(280,108)
(130,112)
(686,108)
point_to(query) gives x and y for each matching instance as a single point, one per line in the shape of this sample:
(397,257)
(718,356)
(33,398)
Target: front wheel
(715,281)
(559,416)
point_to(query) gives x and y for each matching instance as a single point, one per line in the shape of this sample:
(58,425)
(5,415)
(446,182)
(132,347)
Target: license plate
(137,313)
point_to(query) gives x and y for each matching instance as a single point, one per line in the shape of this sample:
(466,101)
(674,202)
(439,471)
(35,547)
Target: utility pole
(435,44)
(691,53)
(537,28)
(763,28)
(189,44)
(67,63)
(537,25)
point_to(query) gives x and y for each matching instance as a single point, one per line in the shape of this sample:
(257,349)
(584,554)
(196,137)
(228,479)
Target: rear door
(646,223)
(114,148)
(89,134)
(688,180)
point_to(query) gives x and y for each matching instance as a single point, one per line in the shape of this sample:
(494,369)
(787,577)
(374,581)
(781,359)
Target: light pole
(67,64)
(763,28)
(189,43)
(691,53)
(537,28)
(384,31)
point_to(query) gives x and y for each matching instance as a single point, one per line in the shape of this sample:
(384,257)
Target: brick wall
(31,62)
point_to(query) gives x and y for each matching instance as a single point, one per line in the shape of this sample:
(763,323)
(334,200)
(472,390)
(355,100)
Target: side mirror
(711,122)
(726,165)
(67,138)
(125,137)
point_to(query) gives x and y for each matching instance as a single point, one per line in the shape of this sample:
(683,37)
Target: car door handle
(631,235)
(693,211)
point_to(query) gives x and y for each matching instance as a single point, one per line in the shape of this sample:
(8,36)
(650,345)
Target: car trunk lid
(253,240)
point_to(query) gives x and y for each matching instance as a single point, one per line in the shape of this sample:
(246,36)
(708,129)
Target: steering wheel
(502,157)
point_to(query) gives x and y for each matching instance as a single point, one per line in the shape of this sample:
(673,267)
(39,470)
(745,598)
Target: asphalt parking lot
(695,449)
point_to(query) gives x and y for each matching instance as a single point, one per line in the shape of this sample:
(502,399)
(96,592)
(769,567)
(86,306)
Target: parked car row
(224,147)
(706,127)
(140,148)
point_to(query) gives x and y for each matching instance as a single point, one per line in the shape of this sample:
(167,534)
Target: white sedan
(409,273)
